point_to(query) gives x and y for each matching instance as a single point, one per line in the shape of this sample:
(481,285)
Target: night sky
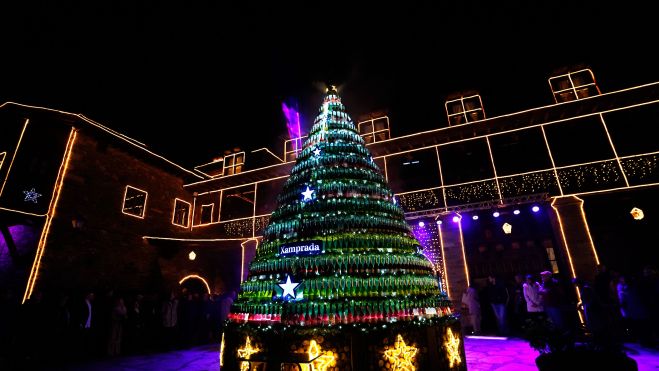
(194,78)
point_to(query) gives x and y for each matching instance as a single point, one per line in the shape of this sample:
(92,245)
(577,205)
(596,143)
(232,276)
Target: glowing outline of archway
(198,277)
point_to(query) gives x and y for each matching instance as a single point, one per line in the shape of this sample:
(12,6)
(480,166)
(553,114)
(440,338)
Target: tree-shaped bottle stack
(337,252)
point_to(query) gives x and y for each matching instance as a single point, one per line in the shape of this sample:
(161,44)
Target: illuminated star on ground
(289,288)
(401,356)
(319,362)
(452,344)
(246,351)
(307,194)
(31,195)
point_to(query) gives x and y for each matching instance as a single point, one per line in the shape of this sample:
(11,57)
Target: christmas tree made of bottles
(337,254)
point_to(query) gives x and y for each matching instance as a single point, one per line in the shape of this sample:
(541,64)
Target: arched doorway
(194,283)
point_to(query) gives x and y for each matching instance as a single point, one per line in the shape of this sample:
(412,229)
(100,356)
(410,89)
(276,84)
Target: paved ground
(482,355)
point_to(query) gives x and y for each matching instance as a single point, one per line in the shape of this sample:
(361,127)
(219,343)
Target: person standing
(117,319)
(499,298)
(470,299)
(518,304)
(169,315)
(531,290)
(551,299)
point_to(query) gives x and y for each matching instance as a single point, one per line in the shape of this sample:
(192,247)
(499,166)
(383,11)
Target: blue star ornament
(307,194)
(31,195)
(288,287)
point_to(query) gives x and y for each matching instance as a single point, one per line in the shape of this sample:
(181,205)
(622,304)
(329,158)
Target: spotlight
(439,222)
(507,228)
(421,224)
(456,219)
(516,212)
(475,217)
(496,214)
(535,208)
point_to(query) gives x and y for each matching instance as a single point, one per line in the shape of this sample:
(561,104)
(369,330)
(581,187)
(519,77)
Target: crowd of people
(64,328)
(614,307)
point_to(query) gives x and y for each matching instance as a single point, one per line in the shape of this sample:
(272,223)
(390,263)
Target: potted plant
(560,351)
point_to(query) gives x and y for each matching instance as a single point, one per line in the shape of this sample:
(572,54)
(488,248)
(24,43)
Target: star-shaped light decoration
(247,351)
(401,356)
(452,345)
(307,194)
(316,151)
(31,195)
(320,360)
(288,287)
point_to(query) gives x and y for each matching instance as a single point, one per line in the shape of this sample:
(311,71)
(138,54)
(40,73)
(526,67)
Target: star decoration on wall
(307,194)
(247,351)
(452,345)
(288,287)
(31,195)
(316,151)
(401,356)
(319,360)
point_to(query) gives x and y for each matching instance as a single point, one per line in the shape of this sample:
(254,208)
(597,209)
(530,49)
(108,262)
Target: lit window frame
(201,214)
(572,88)
(290,154)
(123,206)
(464,112)
(187,223)
(374,132)
(231,169)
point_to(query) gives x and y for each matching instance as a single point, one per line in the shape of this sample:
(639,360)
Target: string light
(141,209)
(222,351)
(196,276)
(187,212)
(13,157)
(54,199)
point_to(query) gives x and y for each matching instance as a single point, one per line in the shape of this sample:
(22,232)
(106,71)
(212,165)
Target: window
(374,130)
(181,215)
(573,85)
(464,109)
(551,255)
(207,214)
(233,163)
(292,148)
(134,202)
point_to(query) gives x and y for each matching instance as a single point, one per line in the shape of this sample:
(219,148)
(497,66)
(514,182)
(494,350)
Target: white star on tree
(31,195)
(307,194)
(288,287)
(316,151)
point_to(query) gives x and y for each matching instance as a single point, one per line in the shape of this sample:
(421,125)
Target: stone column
(456,274)
(576,244)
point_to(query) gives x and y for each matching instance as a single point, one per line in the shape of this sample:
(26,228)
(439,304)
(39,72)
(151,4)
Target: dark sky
(194,78)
